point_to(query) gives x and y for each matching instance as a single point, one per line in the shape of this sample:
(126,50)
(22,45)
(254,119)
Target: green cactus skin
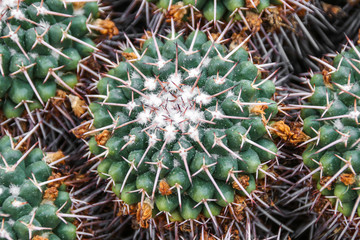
(41,43)
(331,119)
(183,121)
(24,212)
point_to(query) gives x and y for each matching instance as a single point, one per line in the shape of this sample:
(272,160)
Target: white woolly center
(17,14)
(44,24)
(14,190)
(194,72)
(338,124)
(150,84)
(79,11)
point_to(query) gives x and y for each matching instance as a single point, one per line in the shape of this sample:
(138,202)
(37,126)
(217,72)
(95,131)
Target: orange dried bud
(143,214)
(347,178)
(324,180)
(54,156)
(164,188)
(129,56)
(243,180)
(103,137)
(78,5)
(51,194)
(37,237)
(252,3)
(78,105)
(55,184)
(293,136)
(176,12)
(259,109)
(106,27)
(254,21)
(80,131)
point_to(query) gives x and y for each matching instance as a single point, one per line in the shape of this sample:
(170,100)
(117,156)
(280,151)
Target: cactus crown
(33,202)
(182,126)
(331,118)
(41,45)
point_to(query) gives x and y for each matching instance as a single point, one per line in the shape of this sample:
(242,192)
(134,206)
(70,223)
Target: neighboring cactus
(331,119)
(33,200)
(182,128)
(42,43)
(213,9)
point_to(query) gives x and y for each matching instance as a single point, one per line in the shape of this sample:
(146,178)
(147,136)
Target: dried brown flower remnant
(54,156)
(331,9)
(164,188)
(37,237)
(82,129)
(144,37)
(358,41)
(236,40)
(125,209)
(243,180)
(77,105)
(23,147)
(55,184)
(106,27)
(259,109)
(176,12)
(51,194)
(143,214)
(324,180)
(206,236)
(129,56)
(78,5)
(252,3)
(215,36)
(347,178)
(239,205)
(326,77)
(254,21)
(291,135)
(59,98)
(103,137)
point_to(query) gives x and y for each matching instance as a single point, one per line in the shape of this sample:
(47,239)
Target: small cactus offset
(41,45)
(331,118)
(181,129)
(34,204)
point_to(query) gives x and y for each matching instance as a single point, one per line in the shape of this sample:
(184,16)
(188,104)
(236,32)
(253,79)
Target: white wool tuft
(14,190)
(150,84)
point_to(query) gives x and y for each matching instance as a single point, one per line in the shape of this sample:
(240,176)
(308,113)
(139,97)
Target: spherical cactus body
(33,201)
(42,44)
(331,118)
(185,134)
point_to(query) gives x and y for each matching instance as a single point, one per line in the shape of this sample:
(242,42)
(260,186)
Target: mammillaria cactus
(216,10)
(331,118)
(42,43)
(181,128)
(34,204)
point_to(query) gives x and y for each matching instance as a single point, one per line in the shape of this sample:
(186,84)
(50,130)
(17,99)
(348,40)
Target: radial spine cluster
(34,204)
(182,126)
(331,118)
(41,45)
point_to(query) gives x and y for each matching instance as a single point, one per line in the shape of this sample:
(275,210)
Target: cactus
(211,10)
(33,200)
(41,47)
(180,128)
(331,119)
